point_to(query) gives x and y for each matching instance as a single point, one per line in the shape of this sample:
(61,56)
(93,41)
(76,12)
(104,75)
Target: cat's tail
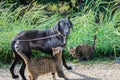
(94,43)
(18,48)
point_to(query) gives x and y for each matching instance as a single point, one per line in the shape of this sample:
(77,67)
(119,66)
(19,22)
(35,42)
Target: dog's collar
(57,32)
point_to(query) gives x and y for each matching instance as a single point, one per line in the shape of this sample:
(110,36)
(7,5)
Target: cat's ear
(57,49)
(74,47)
(60,49)
(53,49)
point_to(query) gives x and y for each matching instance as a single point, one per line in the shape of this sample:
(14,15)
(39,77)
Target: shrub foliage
(107,30)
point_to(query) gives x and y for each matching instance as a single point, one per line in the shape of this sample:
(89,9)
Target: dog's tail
(94,43)
(22,55)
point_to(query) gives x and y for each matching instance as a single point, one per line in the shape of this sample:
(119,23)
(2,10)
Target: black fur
(63,26)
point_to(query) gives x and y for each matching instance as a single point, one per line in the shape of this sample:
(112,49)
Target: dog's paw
(15,76)
(69,68)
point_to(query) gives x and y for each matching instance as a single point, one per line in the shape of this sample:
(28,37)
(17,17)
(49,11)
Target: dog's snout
(67,32)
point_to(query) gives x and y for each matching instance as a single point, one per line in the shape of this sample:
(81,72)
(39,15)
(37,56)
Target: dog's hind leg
(22,69)
(13,66)
(16,58)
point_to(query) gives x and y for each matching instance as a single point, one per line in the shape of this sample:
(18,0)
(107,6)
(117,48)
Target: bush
(108,36)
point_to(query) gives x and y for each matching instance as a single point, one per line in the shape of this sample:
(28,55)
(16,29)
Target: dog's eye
(62,23)
(68,24)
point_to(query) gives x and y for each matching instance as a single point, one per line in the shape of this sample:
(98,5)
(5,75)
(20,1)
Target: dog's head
(63,26)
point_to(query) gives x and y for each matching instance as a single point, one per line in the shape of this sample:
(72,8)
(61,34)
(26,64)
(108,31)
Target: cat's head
(57,52)
(72,51)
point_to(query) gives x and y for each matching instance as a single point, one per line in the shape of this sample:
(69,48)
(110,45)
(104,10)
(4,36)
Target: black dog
(63,27)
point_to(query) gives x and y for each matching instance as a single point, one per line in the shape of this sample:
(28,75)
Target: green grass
(95,61)
(108,37)
(4,65)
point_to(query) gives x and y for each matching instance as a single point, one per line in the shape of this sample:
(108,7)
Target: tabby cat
(43,65)
(83,51)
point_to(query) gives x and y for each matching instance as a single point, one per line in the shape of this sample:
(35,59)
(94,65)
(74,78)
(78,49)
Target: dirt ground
(101,71)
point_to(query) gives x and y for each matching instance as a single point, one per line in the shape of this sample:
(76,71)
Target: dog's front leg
(64,63)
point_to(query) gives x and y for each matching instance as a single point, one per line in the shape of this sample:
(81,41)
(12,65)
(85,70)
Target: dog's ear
(58,25)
